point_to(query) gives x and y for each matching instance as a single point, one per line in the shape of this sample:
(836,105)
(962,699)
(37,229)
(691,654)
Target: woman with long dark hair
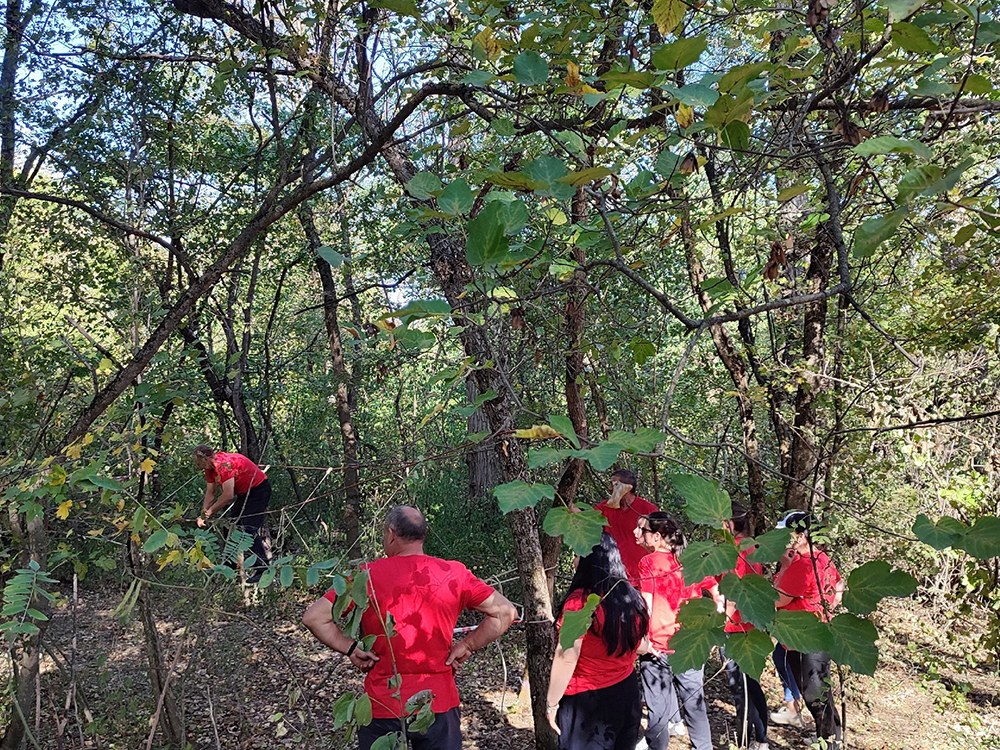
(673,700)
(593,701)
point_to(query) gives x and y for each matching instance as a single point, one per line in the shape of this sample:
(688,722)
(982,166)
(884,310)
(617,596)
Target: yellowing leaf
(488,41)
(585,89)
(147,466)
(63,510)
(74,450)
(684,116)
(536,432)
(667,14)
(572,78)
(88,439)
(171,557)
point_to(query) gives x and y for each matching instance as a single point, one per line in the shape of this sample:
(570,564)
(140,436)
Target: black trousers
(444,734)
(605,719)
(750,703)
(812,674)
(250,515)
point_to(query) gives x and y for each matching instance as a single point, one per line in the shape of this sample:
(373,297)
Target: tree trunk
(484,471)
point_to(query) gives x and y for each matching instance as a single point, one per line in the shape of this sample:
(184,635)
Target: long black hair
(602,572)
(662,523)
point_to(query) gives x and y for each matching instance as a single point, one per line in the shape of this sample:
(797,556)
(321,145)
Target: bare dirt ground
(249,677)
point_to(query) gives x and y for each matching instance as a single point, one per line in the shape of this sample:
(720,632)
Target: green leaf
(643,440)
(680,54)
(531,69)
(564,426)
(312,576)
(286,575)
(156,540)
(702,559)
(502,126)
(791,192)
(457,198)
(420,309)
(917,181)
(736,135)
(477,78)
(391,741)
(801,631)
(634,78)
(872,582)
(701,629)
(704,503)
(402,7)
(912,38)
(739,75)
(106,483)
(342,710)
(697,95)
(900,9)
(487,243)
(585,176)
(667,163)
(363,709)
(854,643)
(423,185)
(538,457)
(753,595)
(359,589)
(546,170)
(576,623)
(982,541)
(750,651)
(874,232)
(581,530)
(667,14)
(770,546)
(890,144)
(331,256)
(514,217)
(601,456)
(946,532)
(518,495)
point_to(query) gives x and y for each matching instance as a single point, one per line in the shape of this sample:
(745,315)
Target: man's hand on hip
(458,654)
(363,660)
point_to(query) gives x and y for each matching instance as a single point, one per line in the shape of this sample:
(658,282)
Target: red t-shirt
(799,581)
(425,596)
(621,525)
(245,472)
(595,669)
(734,623)
(660,575)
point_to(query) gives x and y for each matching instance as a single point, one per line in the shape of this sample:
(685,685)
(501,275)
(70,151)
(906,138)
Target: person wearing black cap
(808,581)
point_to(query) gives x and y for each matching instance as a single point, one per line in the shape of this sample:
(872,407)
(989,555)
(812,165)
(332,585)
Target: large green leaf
(941,535)
(702,559)
(753,595)
(331,256)
(738,76)
(544,456)
(423,185)
(900,9)
(402,7)
(601,456)
(564,426)
(457,198)
(890,144)
(770,546)
(156,540)
(518,495)
(667,14)
(581,529)
(912,38)
(680,54)
(872,582)
(801,631)
(854,643)
(697,95)
(546,169)
(514,217)
(530,68)
(487,243)
(750,651)
(982,541)
(917,181)
(705,502)
(874,232)
(577,622)
(701,629)
(643,440)
(420,309)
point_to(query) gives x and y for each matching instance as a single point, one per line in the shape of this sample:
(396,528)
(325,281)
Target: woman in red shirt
(244,485)
(661,581)
(748,697)
(593,701)
(808,581)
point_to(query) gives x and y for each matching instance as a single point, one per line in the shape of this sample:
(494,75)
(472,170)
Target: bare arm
(209,497)
(563,666)
(228,493)
(319,619)
(500,615)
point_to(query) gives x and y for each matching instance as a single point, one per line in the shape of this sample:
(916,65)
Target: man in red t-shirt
(623,510)
(243,484)
(424,596)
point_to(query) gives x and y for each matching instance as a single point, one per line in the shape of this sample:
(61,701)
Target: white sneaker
(758,746)
(642,744)
(677,729)
(788,718)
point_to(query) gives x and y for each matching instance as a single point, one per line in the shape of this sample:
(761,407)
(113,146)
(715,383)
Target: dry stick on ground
(211,716)
(163,694)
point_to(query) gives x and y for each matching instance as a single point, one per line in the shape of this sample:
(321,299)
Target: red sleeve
(224,470)
(474,591)
(645,576)
(574,603)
